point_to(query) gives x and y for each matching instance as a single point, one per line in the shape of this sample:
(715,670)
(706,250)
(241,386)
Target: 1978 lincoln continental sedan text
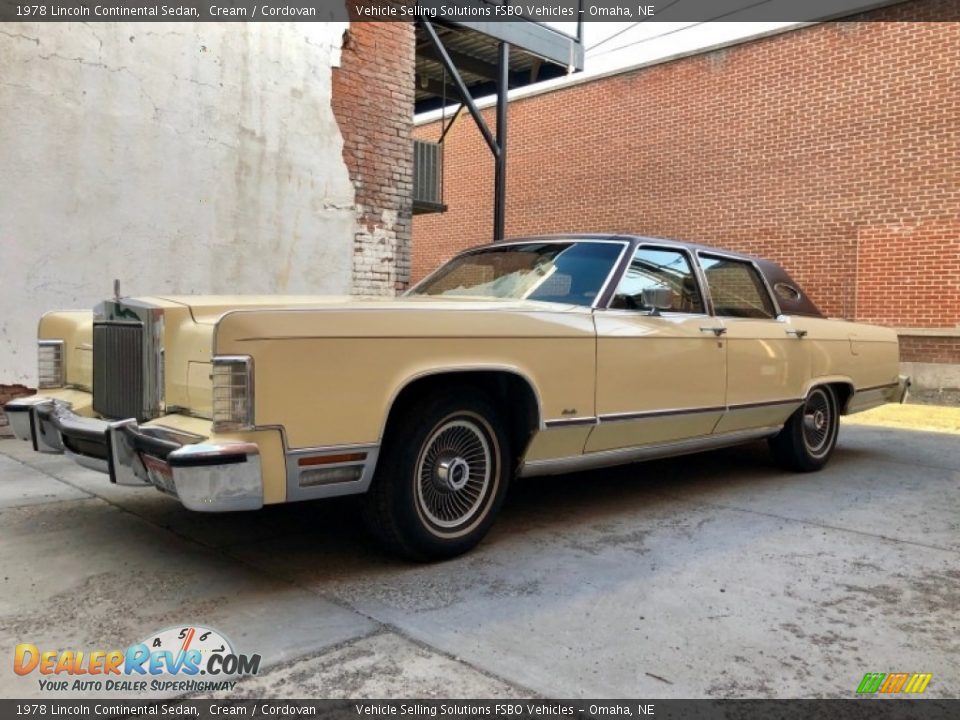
(527,357)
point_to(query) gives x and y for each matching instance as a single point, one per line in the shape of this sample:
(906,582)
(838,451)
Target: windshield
(563,272)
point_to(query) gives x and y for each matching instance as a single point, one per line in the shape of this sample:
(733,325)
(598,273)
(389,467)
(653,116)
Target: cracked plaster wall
(179,158)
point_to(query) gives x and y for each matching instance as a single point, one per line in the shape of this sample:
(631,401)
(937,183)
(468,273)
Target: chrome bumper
(204,476)
(869,398)
(30,418)
(18,414)
(903,387)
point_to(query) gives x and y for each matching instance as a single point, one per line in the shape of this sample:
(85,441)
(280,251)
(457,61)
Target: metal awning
(537,52)
(460,61)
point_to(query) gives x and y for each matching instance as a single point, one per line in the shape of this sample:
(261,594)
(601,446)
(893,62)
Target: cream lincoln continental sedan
(529,357)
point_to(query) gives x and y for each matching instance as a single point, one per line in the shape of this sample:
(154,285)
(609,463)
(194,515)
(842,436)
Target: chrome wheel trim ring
(818,422)
(455,474)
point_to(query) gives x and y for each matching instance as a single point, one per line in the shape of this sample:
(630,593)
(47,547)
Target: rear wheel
(441,477)
(810,435)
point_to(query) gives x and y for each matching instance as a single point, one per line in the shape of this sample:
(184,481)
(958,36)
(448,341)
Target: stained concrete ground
(708,576)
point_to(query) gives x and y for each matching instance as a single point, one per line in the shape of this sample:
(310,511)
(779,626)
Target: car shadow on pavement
(335,527)
(328,537)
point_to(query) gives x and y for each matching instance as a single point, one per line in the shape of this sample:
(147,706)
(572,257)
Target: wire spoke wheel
(818,422)
(810,434)
(442,474)
(454,472)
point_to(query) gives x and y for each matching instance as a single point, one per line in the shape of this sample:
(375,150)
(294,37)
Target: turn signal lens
(50,368)
(232,393)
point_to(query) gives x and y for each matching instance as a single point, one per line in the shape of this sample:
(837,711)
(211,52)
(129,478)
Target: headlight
(232,393)
(50,368)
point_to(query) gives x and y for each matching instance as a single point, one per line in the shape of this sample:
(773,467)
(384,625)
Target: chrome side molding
(622,456)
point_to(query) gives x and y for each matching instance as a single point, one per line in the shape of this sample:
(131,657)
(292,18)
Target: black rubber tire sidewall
(392,509)
(789,447)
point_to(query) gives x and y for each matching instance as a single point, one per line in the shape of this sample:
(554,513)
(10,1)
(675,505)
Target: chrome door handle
(797,333)
(718,331)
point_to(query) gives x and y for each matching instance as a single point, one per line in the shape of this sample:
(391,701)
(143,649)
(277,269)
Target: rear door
(768,362)
(660,374)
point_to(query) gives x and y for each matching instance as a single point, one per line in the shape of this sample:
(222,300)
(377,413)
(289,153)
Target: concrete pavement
(714,575)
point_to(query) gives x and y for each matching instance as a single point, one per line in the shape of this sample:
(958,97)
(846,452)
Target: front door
(661,375)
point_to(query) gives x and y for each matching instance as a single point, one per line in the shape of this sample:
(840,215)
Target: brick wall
(833,149)
(373,92)
(916,348)
(909,273)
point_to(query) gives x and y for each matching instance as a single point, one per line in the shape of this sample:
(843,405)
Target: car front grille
(118,388)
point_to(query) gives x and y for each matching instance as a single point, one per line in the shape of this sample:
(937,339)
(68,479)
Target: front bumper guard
(19,413)
(204,476)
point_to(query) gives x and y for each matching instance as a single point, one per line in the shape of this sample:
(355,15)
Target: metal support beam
(463,61)
(500,175)
(498,145)
(460,86)
(580,23)
(449,127)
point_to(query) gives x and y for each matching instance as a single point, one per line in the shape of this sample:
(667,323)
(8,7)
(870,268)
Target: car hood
(208,309)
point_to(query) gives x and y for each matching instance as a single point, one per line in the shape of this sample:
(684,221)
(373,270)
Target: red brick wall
(373,92)
(915,348)
(909,273)
(834,149)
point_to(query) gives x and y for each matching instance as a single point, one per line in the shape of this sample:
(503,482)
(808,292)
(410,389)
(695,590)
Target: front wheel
(441,477)
(810,435)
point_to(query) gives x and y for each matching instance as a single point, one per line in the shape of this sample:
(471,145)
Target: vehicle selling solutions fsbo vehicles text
(553,710)
(452,12)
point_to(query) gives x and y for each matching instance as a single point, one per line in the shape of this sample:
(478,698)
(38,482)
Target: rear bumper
(867,398)
(208,476)
(903,387)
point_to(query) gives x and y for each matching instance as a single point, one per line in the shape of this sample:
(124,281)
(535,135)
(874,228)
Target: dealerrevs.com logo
(177,659)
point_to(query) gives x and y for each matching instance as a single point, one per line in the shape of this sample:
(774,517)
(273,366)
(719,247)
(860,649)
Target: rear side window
(659,268)
(736,288)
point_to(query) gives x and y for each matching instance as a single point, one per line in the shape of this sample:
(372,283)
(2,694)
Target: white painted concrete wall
(180,158)
(932,376)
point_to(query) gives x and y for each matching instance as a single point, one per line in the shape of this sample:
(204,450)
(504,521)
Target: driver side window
(653,268)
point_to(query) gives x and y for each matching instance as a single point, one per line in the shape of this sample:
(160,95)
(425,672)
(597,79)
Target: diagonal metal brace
(450,124)
(460,86)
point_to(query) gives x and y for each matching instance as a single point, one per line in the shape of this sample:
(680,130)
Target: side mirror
(657,299)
